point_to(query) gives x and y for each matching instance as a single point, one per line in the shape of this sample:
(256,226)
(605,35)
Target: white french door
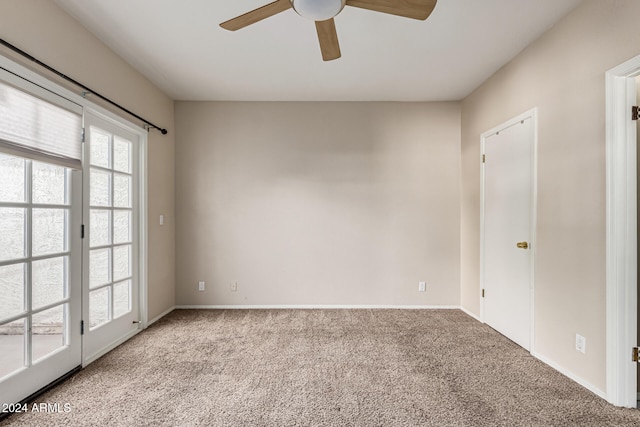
(70,235)
(111,244)
(40,274)
(508,229)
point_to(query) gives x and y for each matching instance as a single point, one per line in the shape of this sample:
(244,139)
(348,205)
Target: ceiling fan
(323,12)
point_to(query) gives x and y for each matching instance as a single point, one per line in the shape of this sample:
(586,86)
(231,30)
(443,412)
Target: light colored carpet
(322,368)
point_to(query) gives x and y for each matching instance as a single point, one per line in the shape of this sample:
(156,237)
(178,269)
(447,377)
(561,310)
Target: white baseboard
(160,316)
(317,306)
(467,312)
(595,390)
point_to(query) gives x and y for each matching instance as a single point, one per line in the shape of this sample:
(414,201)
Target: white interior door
(111,217)
(40,275)
(507,231)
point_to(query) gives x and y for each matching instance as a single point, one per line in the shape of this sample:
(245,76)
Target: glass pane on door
(12,176)
(12,339)
(110,224)
(99,267)
(12,290)
(121,226)
(35,240)
(100,223)
(49,231)
(121,155)
(98,307)
(48,281)
(12,233)
(47,332)
(49,184)
(121,298)
(100,149)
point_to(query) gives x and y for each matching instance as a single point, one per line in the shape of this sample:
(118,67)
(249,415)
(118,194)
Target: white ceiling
(179,46)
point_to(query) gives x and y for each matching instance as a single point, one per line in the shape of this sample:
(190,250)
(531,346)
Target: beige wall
(562,74)
(318,203)
(42,29)
(354,203)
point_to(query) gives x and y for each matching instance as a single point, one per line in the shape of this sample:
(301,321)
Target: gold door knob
(522,245)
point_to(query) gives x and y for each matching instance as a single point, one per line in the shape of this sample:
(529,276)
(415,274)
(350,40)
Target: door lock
(522,245)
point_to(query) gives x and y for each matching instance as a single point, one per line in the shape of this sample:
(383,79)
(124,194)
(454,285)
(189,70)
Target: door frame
(621,233)
(90,107)
(139,264)
(533,115)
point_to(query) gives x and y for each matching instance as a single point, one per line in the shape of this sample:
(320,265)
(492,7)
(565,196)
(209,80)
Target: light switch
(161,219)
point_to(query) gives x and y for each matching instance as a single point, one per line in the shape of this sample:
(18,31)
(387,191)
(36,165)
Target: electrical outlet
(201,286)
(422,286)
(234,287)
(581,343)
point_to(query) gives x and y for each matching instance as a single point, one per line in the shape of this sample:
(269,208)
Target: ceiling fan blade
(256,15)
(328,39)
(416,9)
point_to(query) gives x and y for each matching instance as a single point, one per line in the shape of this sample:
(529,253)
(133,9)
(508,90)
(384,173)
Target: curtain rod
(77,83)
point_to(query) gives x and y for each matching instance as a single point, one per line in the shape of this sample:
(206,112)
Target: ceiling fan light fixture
(318,10)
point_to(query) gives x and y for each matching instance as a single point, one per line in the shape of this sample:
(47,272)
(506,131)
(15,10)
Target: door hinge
(483,293)
(635,112)
(634,354)
(82,231)
(483,158)
(83,135)
(82,327)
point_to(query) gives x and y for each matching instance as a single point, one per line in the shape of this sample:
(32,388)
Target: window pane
(121,155)
(12,345)
(121,226)
(49,184)
(100,227)
(121,298)
(12,241)
(47,332)
(48,229)
(99,307)
(11,290)
(48,281)
(99,267)
(122,191)
(12,178)
(100,149)
(121,262)
(100,192)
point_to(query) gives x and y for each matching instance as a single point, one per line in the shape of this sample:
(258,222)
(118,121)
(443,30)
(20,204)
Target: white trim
(160,316)
(533,115)
(595,390)
(143,233)
(621,232)
(470,314)
(106,349)
(316,306)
